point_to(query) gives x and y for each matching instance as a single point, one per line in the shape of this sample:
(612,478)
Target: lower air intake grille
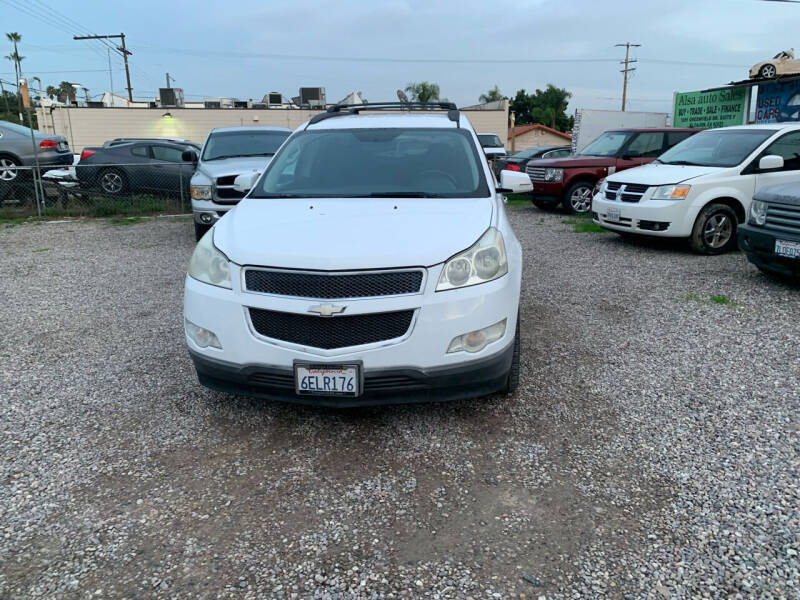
(331,332)
(332,285)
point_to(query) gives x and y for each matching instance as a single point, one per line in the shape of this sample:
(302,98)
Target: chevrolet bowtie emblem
(327,310)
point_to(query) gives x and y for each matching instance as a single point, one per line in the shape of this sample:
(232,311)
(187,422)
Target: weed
(713,299)
(128,221)
(518,200)
(580,225)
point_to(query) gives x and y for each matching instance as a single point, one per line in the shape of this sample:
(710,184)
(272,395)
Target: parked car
(569,181)
(783,63)
(371,262)
(228,152)
(17,150)
(771,236)
(154,165)
(492,146)
(702,188)
(519,160)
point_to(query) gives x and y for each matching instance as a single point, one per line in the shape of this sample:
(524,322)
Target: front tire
(200,230)
(714,231)
(767,72)
(578,198)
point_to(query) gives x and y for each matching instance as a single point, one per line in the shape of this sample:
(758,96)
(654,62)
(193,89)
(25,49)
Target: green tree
(493,95)
(423,91)
(548,107)
(51,92)
(66,93)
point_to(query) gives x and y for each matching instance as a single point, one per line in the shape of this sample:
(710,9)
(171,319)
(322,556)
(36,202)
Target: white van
(702,188)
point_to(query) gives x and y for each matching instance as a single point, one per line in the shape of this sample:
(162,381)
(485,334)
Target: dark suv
(771,237)
(571,180)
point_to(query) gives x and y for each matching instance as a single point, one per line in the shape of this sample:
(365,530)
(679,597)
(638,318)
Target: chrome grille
(224,191)
(330,286)
(783,217)
(625,192)
(535,173)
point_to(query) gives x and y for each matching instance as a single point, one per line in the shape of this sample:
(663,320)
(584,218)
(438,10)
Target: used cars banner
(717,108)
(778,102)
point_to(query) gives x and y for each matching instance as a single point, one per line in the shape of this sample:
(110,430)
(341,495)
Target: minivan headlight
(208,264)
(671,192)
(484,261)
(758,212)
(556,175)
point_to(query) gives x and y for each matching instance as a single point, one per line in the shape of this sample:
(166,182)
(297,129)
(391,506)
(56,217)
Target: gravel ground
(652,451)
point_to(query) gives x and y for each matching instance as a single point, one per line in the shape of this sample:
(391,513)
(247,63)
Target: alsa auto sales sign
(716,108)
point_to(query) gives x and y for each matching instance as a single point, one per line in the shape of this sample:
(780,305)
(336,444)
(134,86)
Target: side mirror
(245,181)
(515,182)
(770,162)
(189,156)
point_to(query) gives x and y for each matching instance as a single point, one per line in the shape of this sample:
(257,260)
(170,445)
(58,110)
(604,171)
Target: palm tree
(51,92)
(15,38)
(423,91)
(492,95)
(66,93)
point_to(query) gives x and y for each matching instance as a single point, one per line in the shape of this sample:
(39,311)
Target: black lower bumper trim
(759,246)
(389,386)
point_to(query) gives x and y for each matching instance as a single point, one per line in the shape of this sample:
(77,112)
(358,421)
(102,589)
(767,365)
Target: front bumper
(548,189)
(661,218)
(384,386)
(420,355)
(208,212)
(759,246)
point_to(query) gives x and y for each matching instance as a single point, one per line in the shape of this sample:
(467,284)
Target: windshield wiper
(402,195)
(683,163)
(222,156)
(284,196)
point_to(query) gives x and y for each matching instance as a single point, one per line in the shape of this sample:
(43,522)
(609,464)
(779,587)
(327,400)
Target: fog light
(202,337)
(475,341)
(206,218)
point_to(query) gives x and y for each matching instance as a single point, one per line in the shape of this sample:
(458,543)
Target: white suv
(700,189)
(371,262)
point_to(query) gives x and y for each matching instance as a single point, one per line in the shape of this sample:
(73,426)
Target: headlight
(200,192)
(554,175)
(484,261)
(758,212)
(208,264)
(671,192)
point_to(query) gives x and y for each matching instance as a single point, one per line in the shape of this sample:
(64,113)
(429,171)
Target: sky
(247,48)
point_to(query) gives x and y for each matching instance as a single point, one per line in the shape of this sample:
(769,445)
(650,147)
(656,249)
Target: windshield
(716,147)
(527,153)
(361,163)
(227,144)
(489,140)
(608,144)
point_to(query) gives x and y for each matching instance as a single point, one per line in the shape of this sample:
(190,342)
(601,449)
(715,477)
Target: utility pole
(121,49)
(168,78)
(627,69)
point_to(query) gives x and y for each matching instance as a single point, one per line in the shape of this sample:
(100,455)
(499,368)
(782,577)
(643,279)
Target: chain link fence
(96,190)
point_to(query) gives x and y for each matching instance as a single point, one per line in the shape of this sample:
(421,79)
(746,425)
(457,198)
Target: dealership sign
(778,102)
(716,108)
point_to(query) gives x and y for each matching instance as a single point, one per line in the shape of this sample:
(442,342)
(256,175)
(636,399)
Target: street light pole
(626,70)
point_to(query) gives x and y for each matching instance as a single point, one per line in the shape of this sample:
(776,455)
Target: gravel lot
(653,450)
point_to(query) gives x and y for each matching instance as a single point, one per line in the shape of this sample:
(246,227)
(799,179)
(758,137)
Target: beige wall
(538,137)
(93,126)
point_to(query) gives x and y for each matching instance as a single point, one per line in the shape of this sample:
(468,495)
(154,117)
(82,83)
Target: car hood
(660,174)
(576,161)
(233,166)
(350,233)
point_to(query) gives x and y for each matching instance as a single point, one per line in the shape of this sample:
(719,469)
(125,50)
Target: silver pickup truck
(228,152)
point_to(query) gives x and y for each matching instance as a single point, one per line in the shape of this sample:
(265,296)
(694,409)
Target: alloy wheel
(581,199)
(8,169)
(111,182)
(768,71)
(717,230)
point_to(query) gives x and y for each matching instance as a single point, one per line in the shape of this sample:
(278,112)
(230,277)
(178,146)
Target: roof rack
(339,110)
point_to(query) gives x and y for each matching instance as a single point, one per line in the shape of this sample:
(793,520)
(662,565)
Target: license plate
(786,248)
(612,214)
(327,380)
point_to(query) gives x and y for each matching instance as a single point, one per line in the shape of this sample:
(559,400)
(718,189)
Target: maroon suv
(570,180)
